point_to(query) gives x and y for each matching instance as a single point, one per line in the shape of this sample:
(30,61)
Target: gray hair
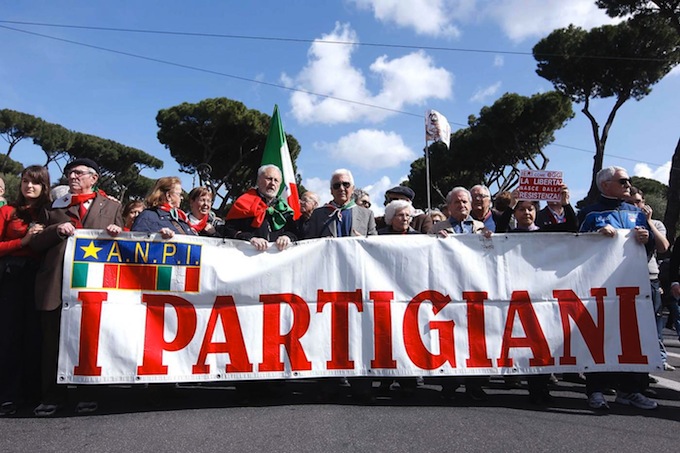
(358,194)
(315,198)
(343,171)
(454,191)
(606,174)
(394,206)
(264,168)
(481,187)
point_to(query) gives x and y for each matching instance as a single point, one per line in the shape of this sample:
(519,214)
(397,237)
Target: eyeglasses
(78,173)
(365,203)
(345,184)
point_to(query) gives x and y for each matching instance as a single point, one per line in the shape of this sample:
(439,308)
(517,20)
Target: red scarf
(79,199)
(175,213)
(200,226)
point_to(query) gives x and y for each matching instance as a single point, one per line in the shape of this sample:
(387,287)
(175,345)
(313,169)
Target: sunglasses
(345,184)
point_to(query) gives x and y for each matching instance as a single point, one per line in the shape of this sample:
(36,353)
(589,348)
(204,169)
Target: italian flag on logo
(276,152)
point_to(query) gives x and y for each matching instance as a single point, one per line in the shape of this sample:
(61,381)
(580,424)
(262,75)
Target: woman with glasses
(163,214)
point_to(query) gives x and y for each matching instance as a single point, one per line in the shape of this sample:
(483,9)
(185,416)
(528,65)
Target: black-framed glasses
(78,173)
(345,184)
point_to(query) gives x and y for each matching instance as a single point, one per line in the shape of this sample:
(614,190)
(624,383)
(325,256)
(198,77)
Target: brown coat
(102,213)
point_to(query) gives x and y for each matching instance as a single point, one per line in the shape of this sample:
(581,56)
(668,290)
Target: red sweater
(11,232)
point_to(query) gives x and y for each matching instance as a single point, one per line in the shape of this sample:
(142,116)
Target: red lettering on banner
(90,324)
(154,342)
(234,345)
(628,324)
(415,348)
(479,357)
(272,339)
(382,329)
(339,302)
(520,306)
(571,307)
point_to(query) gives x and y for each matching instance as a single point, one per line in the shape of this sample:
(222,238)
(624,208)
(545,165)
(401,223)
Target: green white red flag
(276,152)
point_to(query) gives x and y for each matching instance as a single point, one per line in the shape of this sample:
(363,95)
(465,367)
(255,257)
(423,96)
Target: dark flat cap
(403,190)
(82,161)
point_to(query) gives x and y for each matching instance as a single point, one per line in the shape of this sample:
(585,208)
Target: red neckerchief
(79,199)
(174,212)
(250,204)
(200,226)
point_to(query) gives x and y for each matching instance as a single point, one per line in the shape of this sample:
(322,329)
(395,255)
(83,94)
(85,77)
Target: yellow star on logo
(91,250)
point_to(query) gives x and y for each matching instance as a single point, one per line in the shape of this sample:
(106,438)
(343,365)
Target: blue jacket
(618,214)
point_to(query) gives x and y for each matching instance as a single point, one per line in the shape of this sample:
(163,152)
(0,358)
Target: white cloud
(425,17)
(498,61)
(482,94)
(412,79)
(370,149)
(661,174)
(523,19)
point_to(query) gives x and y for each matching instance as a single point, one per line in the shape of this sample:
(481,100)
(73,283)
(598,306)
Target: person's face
(132,215)
(618,187)
(307,205)
(401,219)
(174,196)
(481,201)
(29,189)
(341,189)
(200,206)
(81,179)
(269,182)
(525,214)
(636,200)
(459,206)
(364,201)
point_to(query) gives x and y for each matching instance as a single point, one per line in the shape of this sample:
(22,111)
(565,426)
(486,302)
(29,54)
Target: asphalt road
(202,418)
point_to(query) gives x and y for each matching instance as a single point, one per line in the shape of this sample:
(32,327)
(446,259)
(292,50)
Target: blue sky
(117,97)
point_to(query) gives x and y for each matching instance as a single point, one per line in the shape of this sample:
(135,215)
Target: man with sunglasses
(607,215)
(341,217)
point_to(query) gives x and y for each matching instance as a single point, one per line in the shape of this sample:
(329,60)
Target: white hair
(394,206)
(455,190)
(606,174)
(262,169)
(342,171)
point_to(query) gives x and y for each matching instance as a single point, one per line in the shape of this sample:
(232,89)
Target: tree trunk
(670,218)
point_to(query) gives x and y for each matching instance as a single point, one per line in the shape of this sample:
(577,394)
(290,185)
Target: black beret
(403,190)
(82,161)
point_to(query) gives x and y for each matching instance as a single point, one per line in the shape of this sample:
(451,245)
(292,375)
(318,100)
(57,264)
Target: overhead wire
(274,85)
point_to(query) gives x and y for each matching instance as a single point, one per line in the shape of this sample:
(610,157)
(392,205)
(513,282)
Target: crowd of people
(35,226)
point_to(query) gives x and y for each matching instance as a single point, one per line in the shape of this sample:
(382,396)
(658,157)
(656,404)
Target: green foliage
(222,133)
(621,61)
(120,165)
(506,136)
(12,185)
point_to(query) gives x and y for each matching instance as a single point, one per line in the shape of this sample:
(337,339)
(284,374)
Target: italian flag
(276,152)
(135,276)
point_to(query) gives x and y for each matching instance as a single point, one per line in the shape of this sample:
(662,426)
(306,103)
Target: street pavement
(193,418)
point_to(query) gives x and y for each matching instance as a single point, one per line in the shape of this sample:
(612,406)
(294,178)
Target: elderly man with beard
(259,216)
(82,207)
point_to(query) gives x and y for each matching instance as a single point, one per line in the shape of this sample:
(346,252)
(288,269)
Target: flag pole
(427,176)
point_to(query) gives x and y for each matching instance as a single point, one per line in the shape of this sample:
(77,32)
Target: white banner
(203,309)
